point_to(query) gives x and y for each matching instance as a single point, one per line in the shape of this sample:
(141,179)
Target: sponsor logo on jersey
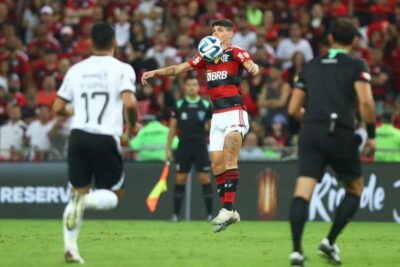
(217,75)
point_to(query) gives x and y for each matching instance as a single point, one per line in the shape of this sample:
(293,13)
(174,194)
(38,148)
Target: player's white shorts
(224,123)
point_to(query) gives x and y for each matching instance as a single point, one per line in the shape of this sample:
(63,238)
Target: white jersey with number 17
(94,87)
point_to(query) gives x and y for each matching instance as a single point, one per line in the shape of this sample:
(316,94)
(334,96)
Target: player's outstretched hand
(147,75)
(369,148)
(254,69)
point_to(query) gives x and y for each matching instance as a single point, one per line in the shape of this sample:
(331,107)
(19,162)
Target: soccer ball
(210,47)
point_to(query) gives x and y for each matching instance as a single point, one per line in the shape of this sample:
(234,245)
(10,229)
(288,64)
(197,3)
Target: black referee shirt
(328,82)
(192,116)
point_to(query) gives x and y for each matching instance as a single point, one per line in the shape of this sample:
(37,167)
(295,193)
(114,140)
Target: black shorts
(192,152)
(94,156)
(318,149)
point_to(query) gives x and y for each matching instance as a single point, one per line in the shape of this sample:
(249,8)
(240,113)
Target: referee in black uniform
(329,86)
(190,118)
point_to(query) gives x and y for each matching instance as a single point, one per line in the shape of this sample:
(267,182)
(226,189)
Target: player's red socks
(230,187)
(220,180)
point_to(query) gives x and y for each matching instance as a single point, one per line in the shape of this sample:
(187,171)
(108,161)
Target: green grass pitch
(38,243)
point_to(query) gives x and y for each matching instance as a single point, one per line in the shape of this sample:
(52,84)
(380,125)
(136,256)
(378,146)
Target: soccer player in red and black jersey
(229,122)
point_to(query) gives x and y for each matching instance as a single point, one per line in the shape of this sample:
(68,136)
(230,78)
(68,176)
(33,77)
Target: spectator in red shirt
(84,43)
(3,105)
(45,67)
(48,94)
(379,79)
(78,11)
(44,40)
(18,61)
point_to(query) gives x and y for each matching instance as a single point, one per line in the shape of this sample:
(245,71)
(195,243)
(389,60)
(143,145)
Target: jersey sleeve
(241,55)
(65,91)
(363,73)
(197,62)
(128,79)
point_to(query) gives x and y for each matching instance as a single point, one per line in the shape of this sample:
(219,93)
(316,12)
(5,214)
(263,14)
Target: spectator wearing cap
(46,17)
(151,140)
(14,90)
(67,41)
(45,67)
(48,93)
(12,135)
(43,41)
(277,130)
(288,46)
(274,96)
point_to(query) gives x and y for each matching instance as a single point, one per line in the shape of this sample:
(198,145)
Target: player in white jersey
(98,89)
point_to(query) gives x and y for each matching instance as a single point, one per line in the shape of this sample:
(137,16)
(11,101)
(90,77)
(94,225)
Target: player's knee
(180,180)
(204,178)
(218,167)
(355,187)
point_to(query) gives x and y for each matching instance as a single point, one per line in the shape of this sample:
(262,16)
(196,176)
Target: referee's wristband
(371,130)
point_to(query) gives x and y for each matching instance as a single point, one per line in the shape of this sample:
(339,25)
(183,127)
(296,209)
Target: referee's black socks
(298,217)
(179,193)
(208,197)
(344,213)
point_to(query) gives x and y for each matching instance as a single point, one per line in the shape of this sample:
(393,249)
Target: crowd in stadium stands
(41,39)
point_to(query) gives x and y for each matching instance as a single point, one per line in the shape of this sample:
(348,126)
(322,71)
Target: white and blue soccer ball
(210,47)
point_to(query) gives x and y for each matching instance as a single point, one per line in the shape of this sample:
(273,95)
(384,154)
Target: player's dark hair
(343,31)
(223,23)
(103,35)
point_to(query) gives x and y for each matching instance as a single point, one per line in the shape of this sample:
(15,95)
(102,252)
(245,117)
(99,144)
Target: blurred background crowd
(41,39)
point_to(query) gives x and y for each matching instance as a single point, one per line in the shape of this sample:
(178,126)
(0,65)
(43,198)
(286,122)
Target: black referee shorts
(318,149)
(94,156)
(192,152)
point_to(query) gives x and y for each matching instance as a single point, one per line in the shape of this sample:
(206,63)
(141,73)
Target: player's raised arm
(168,71)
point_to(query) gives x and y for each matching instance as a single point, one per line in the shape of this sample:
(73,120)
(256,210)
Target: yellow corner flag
(159,188)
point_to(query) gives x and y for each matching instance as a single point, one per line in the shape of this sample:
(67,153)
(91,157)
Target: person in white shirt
(288,46)
(40,133)
(122,28)
(244,38)
(161,51)
(12,135)
(99,89)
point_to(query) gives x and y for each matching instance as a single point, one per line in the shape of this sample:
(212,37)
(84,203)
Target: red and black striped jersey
(223,77)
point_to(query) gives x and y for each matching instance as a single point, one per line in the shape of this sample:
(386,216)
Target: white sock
(101,199)
(70,236)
